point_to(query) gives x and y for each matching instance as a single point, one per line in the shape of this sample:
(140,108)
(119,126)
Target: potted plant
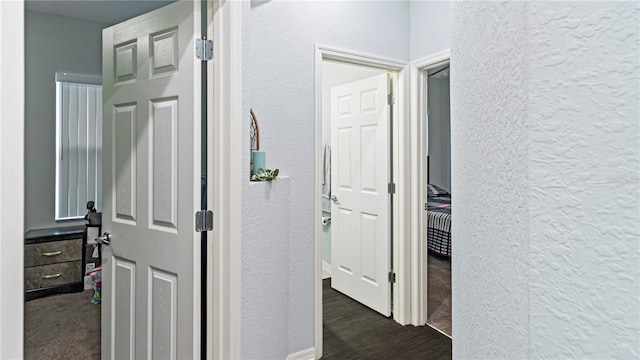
(265,175)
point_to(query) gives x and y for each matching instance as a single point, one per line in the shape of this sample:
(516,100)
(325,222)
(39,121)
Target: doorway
(356,222)
(438,205)
(82,62)
(354,324)
(349,69)
(59,316)
(223,295)
(334,73)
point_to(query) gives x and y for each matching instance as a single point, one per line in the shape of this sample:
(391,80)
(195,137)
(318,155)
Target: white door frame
(225,158)
(224,292)
(400,298)
(11,179)
(417,178)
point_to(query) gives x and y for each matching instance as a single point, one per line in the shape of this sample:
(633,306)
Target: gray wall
(430,27)
(53,43)
(546,177)
(439,133)
(278,83)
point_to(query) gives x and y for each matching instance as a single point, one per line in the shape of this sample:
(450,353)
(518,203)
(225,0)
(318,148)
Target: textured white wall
(430,23)
(278,83)
(53,43)
(439,133)
(265,270)
(489,166)
(546,173)
(584,176)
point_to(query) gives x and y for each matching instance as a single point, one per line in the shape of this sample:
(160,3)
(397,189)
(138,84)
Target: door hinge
(204,49)
(391,99)
(204,220)
(392,277)
(392,188)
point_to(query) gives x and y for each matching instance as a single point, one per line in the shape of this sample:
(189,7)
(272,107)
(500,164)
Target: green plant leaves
(265,175)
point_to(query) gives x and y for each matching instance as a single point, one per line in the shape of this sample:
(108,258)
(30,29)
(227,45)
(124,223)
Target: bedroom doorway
(61,310)
(438,206)
(80,322)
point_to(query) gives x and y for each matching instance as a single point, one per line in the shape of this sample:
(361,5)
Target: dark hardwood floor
(353,331)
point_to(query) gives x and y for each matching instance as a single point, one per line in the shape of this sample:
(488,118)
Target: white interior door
(360,249)
(151,153)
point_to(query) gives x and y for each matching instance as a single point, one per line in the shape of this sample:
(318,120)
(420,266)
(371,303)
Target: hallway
(353,331)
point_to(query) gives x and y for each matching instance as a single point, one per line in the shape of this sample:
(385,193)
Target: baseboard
(438,330)
(306,354)
(326,270)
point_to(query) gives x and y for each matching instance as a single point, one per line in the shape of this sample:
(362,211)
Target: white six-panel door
(151,153)
(359,177)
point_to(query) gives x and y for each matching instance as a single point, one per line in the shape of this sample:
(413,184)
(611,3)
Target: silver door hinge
(392,188)
(204,220)
(392,277)
(204,49)
(391,99)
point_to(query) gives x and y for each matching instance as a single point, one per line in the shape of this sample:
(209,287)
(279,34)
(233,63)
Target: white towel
(326,170)
(326,177)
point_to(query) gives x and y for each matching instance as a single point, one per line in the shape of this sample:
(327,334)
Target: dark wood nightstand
(53,261)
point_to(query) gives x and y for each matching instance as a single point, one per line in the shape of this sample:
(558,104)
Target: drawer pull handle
(53,253)
(53,276)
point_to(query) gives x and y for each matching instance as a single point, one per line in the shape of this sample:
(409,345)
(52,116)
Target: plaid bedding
(439,224)
(435,190)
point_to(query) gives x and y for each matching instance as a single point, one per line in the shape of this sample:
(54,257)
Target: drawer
(52,252)
(45,276)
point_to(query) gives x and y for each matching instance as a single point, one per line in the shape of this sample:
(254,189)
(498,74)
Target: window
(78,144)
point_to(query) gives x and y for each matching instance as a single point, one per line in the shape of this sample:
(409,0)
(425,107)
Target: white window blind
(78,144)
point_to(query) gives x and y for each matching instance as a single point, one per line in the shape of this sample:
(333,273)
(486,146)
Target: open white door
(360,248)
(151,182)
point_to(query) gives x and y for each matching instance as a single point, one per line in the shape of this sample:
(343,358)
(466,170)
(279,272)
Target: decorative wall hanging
(259,171)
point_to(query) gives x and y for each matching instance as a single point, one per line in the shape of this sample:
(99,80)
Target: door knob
(334,198)
(105,239)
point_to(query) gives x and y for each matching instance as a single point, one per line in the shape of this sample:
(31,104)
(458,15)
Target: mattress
(438,208)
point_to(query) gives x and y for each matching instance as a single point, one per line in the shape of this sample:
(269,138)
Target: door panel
(151,83)
(124,145)
(345,160)
(163,315)
(360,254)
(123,303)
(163,182)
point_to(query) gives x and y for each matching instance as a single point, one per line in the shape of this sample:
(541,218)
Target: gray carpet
(64,326)
(439,293)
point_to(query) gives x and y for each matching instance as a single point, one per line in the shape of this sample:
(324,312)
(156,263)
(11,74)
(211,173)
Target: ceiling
(105,11)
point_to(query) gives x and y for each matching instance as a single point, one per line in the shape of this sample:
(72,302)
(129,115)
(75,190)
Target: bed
(438,208)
